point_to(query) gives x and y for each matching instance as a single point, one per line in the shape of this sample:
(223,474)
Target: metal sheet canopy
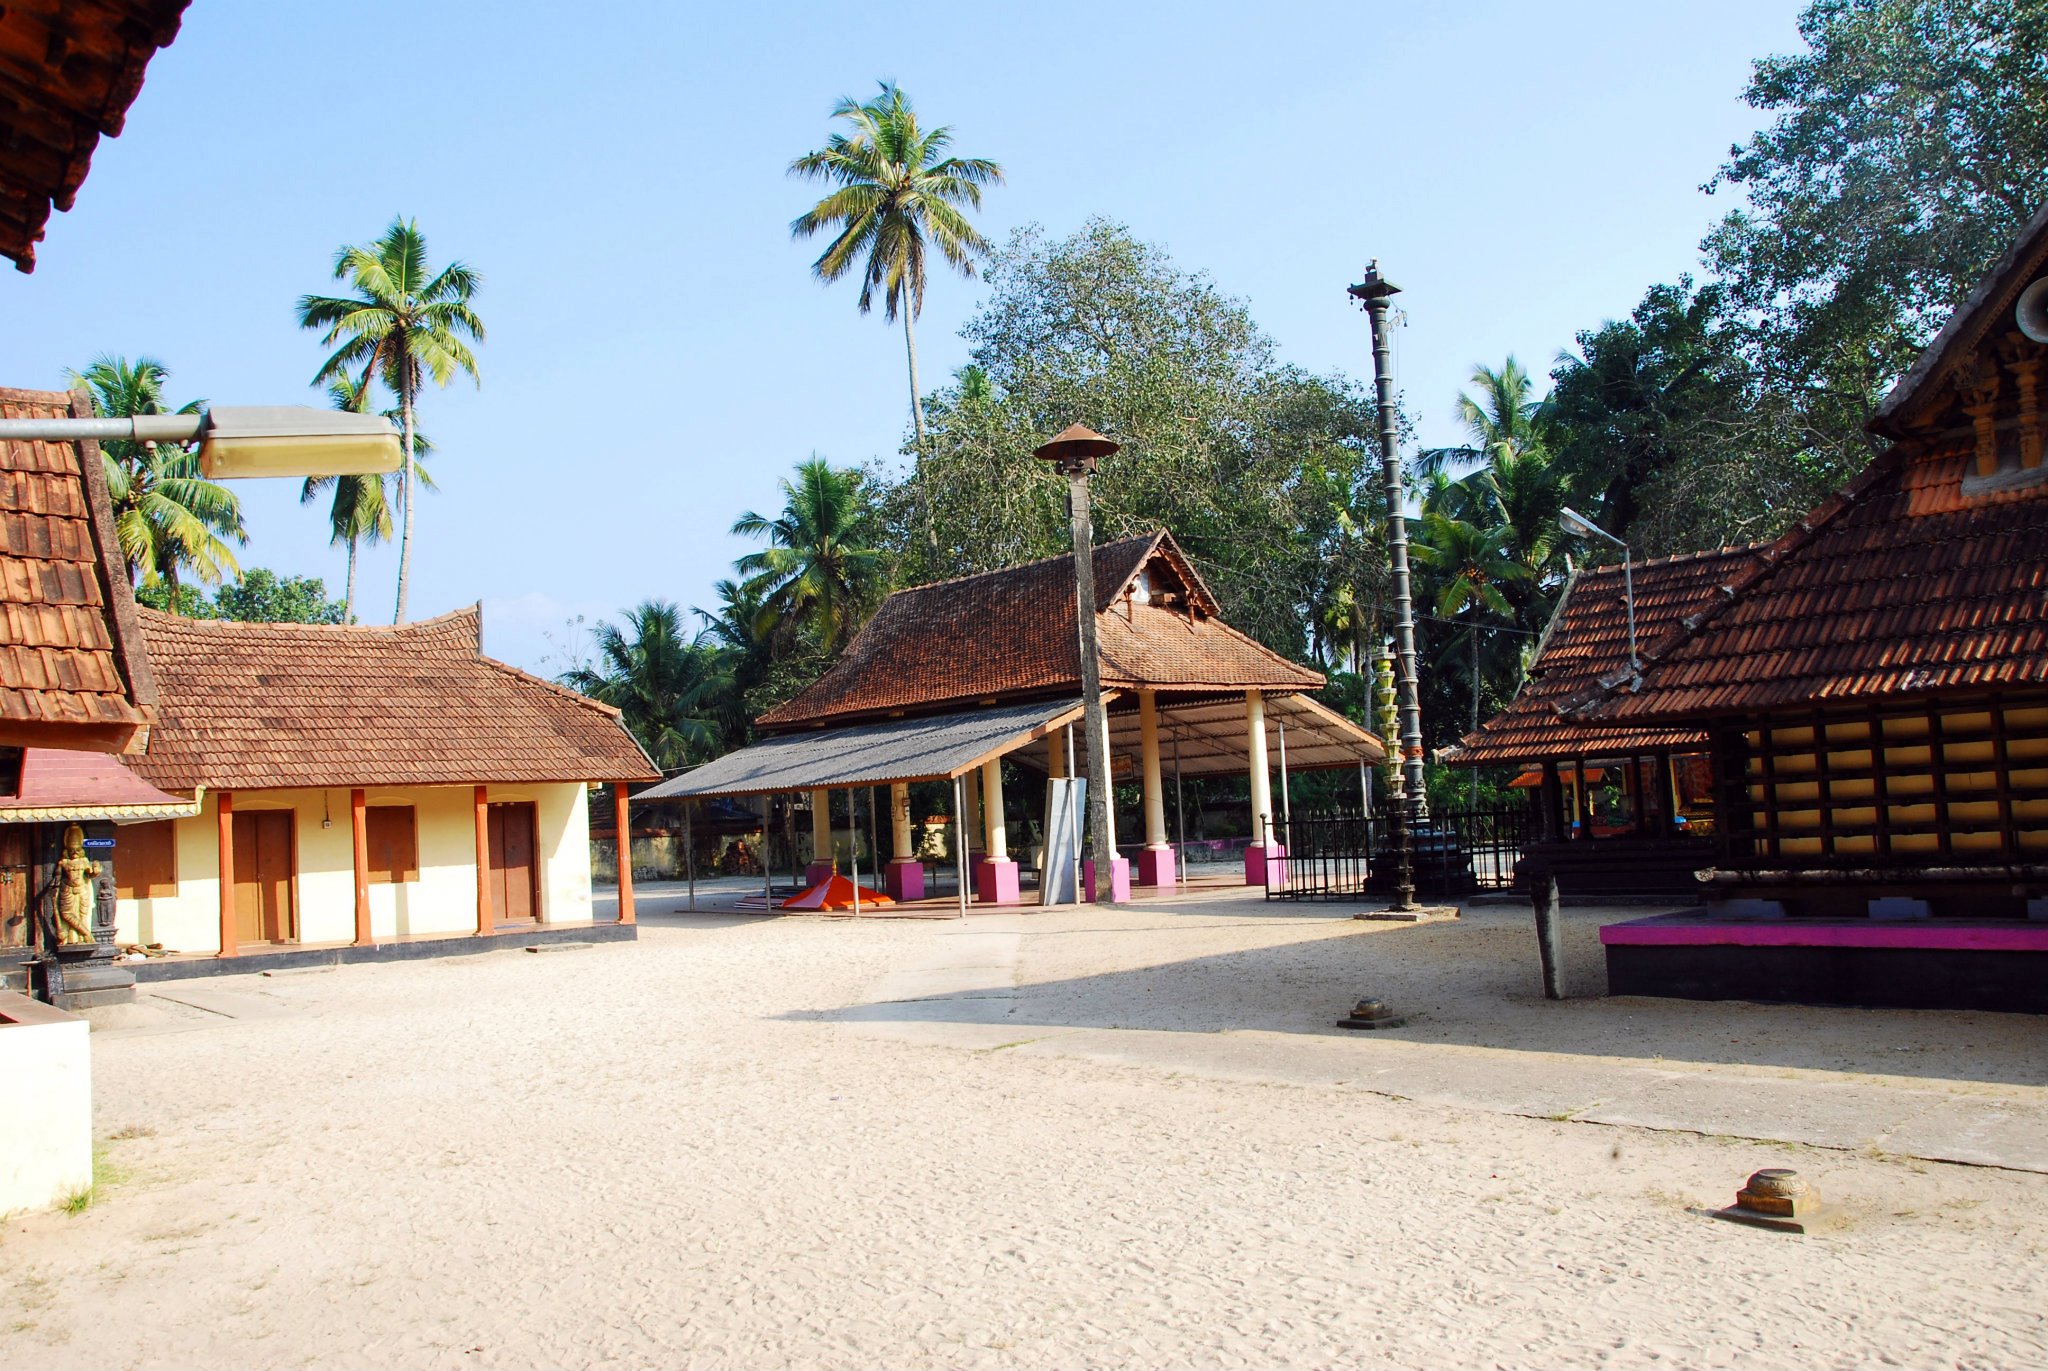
(937,748)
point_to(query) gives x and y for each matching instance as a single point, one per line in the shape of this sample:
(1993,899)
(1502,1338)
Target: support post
(690,852)
(483,861)
(359,830)
(1549,933)
(1180,815)
(224,813)
(1156,859)
(853,848)
(960,840)
(1552,804)
(620,804)
(996,878)
(904,880)
(820,868)
(1259,856)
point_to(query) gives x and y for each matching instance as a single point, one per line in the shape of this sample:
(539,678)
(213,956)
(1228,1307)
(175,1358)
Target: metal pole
(143,428)
(767,866)
(853,847)
(1094,720)
(1180,814)
(1075,811)
(1628,591)
(959,840)
(1375,291)
(690,853)
(1286,802)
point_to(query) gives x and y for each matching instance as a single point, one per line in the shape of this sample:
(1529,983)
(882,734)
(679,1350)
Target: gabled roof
(59,784)
(72,669)
(1010,635)
(271,706)
(1587,639)
(69,69)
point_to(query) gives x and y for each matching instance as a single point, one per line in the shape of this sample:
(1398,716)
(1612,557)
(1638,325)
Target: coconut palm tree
(664,681)
(817,578)
(402,325)
(360,511)
(895,194)
(168,518)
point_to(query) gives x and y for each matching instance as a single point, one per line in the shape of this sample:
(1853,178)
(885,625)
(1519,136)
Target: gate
(1351,856)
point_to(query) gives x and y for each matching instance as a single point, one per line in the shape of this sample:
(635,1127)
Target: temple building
(1873,691)
(947,681)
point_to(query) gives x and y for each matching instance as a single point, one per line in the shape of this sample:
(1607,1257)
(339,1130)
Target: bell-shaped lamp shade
(296,440)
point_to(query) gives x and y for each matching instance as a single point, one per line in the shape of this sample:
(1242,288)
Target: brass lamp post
(1074,454)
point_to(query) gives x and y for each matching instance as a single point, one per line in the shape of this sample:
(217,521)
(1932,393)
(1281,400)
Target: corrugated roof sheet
(265,706)
(1007,634)
(931,748)
(72,670)
(1588,639)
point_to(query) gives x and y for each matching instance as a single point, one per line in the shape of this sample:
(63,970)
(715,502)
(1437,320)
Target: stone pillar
(821,838)
(1155,862)
(620,802)
(904,880)
(995,876)
(1262,849)
(359,832)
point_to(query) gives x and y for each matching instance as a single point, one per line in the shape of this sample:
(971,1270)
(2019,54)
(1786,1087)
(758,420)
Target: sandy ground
(682,1152)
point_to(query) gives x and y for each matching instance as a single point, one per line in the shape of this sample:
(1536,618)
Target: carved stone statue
(76,900)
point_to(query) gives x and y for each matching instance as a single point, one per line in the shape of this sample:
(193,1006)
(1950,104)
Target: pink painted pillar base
(816,872)
(904,880)
(996,882)
(1119,877)
(1266,865)
(1155,866)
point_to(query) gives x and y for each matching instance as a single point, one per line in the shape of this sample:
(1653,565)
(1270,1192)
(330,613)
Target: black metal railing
(1351,857)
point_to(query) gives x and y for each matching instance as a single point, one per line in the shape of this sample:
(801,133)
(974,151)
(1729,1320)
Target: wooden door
(16,880)
(515,862)
(264,912)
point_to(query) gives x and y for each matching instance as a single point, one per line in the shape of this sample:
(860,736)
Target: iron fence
(1351,856)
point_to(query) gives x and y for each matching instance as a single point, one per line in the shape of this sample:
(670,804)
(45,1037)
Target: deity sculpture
(76,901)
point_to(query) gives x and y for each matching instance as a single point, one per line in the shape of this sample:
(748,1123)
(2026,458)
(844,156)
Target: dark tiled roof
(72,671)
(69,69)
(1588,639)
(1900,584)
(1009,635)
(263,706)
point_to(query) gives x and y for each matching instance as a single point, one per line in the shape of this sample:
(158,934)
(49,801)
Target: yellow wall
(441,901)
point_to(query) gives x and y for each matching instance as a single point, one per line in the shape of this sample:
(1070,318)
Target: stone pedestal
(904,880)
(1119,878)
(84,975)
(1266,865)
(995,882)
(1155,866)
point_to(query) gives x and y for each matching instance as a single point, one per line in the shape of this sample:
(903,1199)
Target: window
(393,835)
(146,860)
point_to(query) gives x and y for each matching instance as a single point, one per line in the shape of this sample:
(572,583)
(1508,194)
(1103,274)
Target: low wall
(46,1138)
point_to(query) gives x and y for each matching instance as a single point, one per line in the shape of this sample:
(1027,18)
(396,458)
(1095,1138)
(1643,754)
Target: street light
(1412,811)
(1578,523)
(243,440)
(1074,454)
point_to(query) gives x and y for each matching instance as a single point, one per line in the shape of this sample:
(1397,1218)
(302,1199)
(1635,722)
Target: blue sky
(659,355)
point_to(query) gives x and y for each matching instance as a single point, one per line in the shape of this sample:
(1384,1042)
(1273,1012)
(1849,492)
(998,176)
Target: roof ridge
(1020,566)
(410,627)
(1674,558)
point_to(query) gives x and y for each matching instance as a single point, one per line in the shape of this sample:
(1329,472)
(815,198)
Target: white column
(1259,774)
(996,840)
(1109,781)
(821,826)
(899,821)
(1155,785)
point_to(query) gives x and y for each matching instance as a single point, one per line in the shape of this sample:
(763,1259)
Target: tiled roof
(1588,639)
(1900,584)
(56,781)
(69,69)
(72,672)
(1009,635)
(266,706)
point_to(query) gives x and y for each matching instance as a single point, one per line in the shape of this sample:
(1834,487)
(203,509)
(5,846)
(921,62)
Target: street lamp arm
(140,428)
(274,440)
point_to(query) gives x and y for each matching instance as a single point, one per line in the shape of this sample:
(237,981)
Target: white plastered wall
(442,901)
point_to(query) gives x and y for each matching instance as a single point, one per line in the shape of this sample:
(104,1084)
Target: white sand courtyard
(1100,1137)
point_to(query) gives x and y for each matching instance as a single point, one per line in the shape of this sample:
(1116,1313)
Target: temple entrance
(16,880)
(515,863)
(264,908)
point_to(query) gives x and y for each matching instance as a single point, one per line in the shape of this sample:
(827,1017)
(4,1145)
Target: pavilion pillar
(359,830)
(1119,867)
(1258,771)
(1665,783)
(224,813)
(995,876)
(484,918)
(1155,861)
(620,803)
(904,880)
(1551,803)
(820,868)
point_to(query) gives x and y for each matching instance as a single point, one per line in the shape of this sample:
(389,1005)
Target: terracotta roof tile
(266,706)
(1009,635)
(72,673)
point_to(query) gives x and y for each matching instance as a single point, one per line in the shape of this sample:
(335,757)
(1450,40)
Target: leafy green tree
(359,510)
(666,683)
(819,577)
(896,194)
(168,518)
(261,596)
(403,324)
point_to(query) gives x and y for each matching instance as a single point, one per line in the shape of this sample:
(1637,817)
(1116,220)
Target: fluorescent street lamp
(1578,523)
(244,440)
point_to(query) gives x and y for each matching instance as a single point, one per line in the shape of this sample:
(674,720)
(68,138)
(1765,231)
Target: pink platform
(1119,878)
(996,882)
(1918,933)
(904,880)
(1266,865)
(1155,866)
